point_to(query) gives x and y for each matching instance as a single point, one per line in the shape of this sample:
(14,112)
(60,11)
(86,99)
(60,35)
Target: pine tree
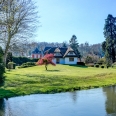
(74,45)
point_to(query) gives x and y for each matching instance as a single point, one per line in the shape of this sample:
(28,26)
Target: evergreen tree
(64,44)
(2,68)
(109,45)
(1,54)
(74,45)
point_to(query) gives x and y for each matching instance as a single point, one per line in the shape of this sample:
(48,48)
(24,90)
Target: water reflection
(2,107)
(93,102)
(110,103)
(74,96)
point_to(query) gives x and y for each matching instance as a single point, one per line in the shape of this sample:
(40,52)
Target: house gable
(57,52)
(36,53)
(71,53)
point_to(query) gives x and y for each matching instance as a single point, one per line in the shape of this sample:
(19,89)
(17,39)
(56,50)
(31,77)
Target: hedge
(20,60)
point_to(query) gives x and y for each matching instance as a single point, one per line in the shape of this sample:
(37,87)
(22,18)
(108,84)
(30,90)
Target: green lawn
(59,78)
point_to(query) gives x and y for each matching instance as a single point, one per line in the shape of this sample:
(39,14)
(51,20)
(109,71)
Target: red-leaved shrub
(47,59)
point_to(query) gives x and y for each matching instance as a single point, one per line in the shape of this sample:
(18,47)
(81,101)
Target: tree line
(83,49)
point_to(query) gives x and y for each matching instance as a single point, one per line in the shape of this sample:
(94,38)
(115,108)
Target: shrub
(102,66)
(11,65)
(2,68)
(88,59)
(114,65)
(21,60)
(30,63)
(1,55)
(97,65)
(27,64)
(91,58)
(90,64)
(81,63)
(2,71)
(102,61)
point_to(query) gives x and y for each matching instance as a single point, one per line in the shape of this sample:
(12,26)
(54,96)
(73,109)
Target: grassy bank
(59,78)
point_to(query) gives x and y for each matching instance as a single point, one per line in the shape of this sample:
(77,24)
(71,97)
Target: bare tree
(18,21)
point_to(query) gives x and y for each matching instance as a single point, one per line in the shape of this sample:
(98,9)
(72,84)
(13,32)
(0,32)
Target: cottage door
(57,60)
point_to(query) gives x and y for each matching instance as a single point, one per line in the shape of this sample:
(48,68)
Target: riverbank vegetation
(2,68)
(60,78)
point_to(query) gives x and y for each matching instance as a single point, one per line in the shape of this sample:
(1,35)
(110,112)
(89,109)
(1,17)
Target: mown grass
(59,78)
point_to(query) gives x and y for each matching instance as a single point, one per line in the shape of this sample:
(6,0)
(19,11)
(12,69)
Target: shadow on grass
(53,70)
(2,81)
(80,66)
(18,74)
(6,93)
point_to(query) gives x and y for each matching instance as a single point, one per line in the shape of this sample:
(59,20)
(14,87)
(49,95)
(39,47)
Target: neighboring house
(36,53)
(62,55)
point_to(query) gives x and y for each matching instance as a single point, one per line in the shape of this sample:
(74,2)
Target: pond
(93,102)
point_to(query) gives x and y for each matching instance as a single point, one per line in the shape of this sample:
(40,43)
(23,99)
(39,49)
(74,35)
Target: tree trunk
(4,59)
(46,66)
(18,20)
(113,55)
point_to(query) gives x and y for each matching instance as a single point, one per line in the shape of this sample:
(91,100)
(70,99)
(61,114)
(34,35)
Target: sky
(60,19)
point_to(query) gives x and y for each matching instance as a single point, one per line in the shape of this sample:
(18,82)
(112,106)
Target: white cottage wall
(54,60)
(62,60)
(71,62)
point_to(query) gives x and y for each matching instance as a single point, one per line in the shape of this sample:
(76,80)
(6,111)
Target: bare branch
(18,21)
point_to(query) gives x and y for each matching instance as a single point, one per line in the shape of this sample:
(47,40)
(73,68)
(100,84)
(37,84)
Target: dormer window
(57,54)
(71,53)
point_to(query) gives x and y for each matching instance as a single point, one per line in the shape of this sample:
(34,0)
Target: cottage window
(71,59)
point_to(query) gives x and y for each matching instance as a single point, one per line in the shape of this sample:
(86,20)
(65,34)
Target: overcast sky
(60,19)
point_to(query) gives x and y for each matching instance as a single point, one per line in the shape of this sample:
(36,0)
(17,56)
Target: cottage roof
(68,50)
(46,49)
(49,50)
(52,50)
(36,51)
(63,50)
